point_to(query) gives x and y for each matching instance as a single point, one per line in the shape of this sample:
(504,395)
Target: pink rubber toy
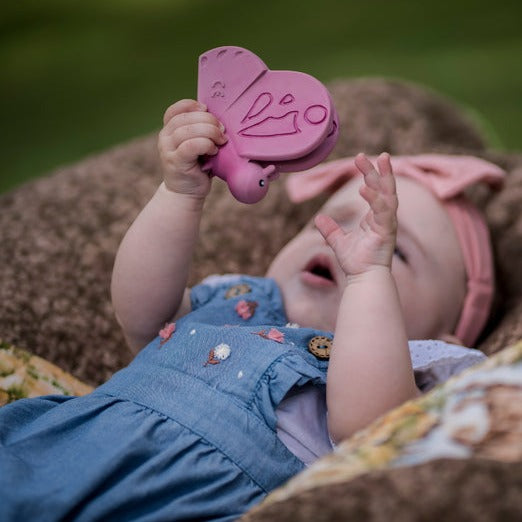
(275,121)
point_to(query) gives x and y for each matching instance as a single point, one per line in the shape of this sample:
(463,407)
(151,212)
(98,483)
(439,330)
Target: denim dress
(186,432)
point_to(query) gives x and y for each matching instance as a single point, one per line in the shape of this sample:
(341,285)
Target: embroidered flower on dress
(276,335)
(246,309)
(222,351)
(166,332)
(292,325)
(272,335)
(219,353)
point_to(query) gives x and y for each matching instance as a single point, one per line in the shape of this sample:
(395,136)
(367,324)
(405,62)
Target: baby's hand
(372,243)
(189,132)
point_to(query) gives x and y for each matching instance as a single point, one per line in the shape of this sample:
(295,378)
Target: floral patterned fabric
(24,375)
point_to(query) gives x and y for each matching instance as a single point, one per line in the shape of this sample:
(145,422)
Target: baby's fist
(189,132)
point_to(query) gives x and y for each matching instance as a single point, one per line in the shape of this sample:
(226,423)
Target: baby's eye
(400,254)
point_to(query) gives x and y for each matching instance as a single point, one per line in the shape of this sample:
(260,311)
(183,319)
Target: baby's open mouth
(318,272)
(322,271)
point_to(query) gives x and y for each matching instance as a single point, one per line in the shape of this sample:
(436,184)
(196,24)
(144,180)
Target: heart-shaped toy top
(276,121)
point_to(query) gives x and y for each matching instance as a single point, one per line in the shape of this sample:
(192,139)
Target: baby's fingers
(178,121)
(381,180)
(387,179)
(180,107)
(329,229)
(379,186)
(371,176)
(190,150)
(383,207)
(374,198)
(196,130)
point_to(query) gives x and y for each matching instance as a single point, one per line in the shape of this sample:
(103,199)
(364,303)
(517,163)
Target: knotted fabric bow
(447,177)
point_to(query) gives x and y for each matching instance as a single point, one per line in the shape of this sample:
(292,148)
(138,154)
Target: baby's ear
(450,339)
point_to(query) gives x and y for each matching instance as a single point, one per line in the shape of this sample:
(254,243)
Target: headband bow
(446,177)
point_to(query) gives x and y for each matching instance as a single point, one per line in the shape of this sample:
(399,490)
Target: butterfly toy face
(276,121)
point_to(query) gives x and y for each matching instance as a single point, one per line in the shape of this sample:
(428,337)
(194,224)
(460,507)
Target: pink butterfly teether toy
(276,121)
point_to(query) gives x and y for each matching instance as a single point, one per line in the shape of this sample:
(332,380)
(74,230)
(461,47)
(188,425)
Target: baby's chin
(307,309)
(310,318)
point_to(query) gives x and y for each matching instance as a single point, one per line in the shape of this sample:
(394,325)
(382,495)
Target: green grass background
(79,76)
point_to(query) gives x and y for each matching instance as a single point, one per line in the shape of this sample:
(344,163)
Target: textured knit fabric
(186,432)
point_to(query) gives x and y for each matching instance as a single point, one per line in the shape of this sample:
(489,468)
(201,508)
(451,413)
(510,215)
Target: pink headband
(446,177)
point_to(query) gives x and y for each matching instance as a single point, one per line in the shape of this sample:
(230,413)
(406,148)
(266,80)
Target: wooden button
(237,290)
(320,346)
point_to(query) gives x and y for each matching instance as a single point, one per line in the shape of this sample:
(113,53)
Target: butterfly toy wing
(276,121)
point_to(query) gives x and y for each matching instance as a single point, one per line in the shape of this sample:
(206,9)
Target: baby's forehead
(409,193)
(347,194)
(420,214)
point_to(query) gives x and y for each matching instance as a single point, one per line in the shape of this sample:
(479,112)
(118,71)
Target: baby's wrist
(372,273)
(189,202)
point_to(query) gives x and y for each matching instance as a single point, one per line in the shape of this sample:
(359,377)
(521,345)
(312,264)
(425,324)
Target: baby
(245,383)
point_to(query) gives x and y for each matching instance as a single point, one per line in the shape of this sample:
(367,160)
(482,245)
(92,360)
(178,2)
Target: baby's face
(428,266)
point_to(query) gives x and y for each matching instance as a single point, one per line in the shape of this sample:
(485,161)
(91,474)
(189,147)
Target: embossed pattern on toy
(276,121)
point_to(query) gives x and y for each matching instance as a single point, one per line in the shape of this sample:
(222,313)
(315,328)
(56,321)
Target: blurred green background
(78,77)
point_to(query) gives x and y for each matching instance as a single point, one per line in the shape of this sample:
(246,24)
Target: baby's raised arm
(370,369)
(152,264)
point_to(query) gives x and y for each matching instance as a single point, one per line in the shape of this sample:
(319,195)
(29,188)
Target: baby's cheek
(316,313)
(410,297)
(421,313)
